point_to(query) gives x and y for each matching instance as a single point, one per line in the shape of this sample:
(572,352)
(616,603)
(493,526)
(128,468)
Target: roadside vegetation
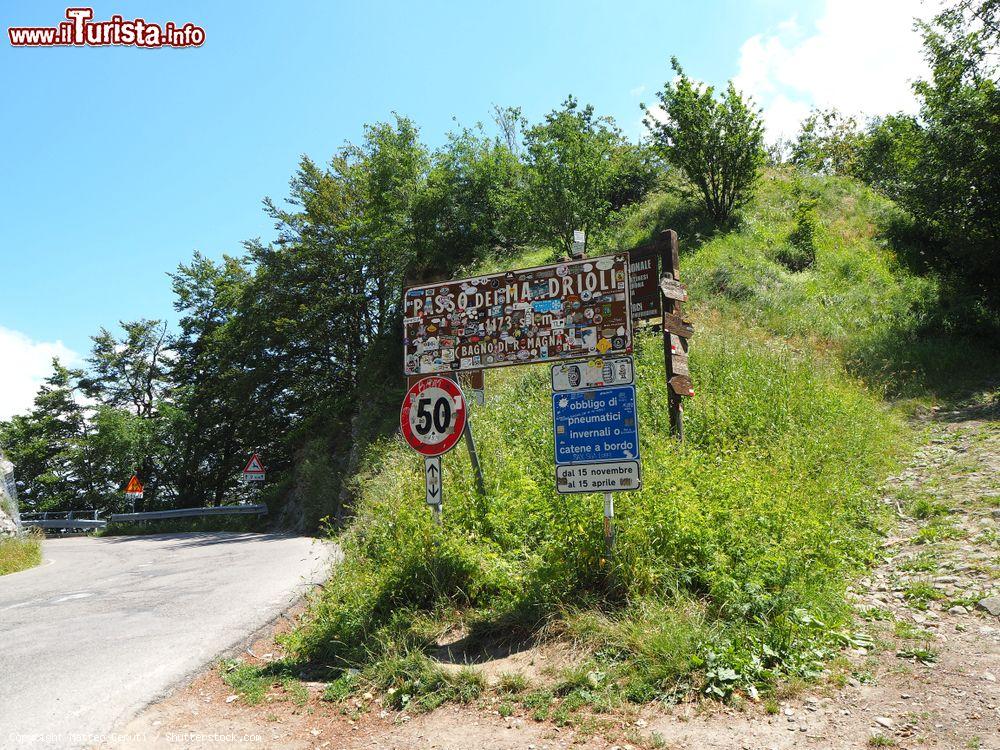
(177,525)
(20,552)
(731,563)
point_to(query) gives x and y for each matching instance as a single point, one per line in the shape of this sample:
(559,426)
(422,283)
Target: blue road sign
(595,425)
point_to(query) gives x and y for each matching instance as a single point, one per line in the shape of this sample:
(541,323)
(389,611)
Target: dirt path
(929,679)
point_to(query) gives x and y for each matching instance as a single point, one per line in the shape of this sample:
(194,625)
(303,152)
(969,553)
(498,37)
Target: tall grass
(862,296)
(745,535)
(20,552)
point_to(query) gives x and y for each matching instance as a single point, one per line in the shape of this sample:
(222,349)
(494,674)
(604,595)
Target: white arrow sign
(432,479)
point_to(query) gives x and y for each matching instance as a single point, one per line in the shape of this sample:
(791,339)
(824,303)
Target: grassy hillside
(860,300)
(732,562)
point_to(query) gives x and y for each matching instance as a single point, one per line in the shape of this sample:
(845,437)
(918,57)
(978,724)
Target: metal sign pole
(609,527)
(470,443)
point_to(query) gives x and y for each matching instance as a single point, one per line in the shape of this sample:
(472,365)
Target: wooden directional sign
(673,289)
(134,487)
(677,325)
(681,385)
(679,363)
(433,415)
(254,470)
(570,310)
(432,479)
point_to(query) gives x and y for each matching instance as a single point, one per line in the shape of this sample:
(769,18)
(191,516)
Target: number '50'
(441,415)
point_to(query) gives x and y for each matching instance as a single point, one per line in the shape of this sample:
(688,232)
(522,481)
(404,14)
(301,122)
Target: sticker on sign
(615,476)
(576,376)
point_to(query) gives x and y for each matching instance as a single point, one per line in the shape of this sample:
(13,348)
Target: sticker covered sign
(567,310)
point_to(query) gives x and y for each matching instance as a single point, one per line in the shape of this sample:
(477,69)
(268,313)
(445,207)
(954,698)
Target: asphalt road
(105,626)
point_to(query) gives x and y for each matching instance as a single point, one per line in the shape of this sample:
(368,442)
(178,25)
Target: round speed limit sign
(433,415)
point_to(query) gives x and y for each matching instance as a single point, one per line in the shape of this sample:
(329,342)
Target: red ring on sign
(458,421)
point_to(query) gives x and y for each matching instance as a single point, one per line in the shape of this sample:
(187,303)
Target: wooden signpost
(675,323)
(676,332)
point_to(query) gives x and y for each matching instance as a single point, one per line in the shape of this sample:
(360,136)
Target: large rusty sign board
(644,273)
(571,310)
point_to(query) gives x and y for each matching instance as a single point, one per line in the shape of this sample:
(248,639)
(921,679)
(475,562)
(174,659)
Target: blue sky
(119,163)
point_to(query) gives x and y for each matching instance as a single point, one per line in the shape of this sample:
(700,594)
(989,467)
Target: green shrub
(512,682)
(205,524)
(800,252)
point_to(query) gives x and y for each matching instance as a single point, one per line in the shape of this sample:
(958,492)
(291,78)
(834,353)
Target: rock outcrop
(8,507)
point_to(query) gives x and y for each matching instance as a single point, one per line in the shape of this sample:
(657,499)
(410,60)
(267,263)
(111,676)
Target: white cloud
(24,364)
(637,91)
(861,57)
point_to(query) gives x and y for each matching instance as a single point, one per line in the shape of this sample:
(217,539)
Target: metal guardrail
(66,523)
(70,520)
(223,510)
(63,520)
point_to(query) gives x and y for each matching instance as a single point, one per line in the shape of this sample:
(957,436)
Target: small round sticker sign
(433,415)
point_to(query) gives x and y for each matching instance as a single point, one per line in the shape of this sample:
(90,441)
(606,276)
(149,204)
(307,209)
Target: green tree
(944,166)
(717,142)
(828,143)
(582,170)
(117,441)
(205,425)
(45,446)
(324,300)
(132,373)
(474,204)
(889,154)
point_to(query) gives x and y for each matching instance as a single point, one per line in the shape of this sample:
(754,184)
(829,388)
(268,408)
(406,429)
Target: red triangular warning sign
(254,466)
(134,486)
